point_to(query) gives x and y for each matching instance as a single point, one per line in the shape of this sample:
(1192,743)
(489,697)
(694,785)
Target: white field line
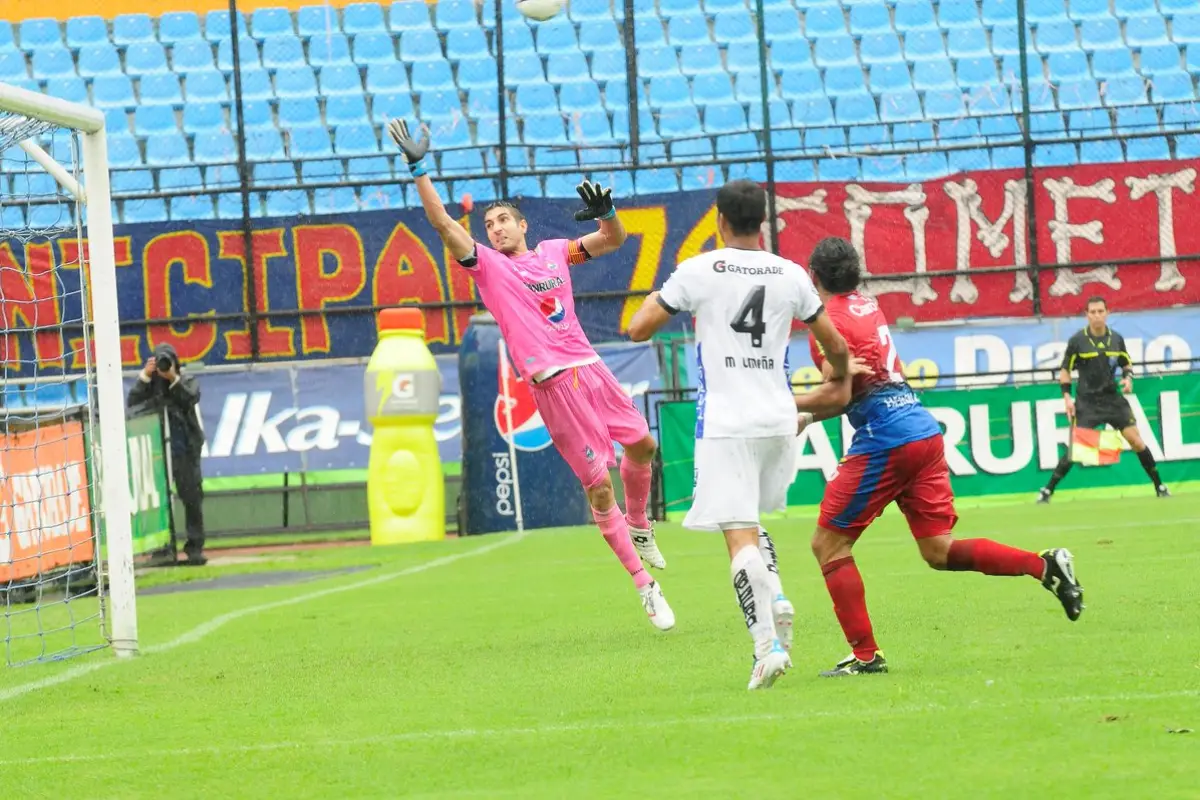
(128,756)
(216,623)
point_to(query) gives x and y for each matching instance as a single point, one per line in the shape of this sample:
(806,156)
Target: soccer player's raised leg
(752,585)
(636,472)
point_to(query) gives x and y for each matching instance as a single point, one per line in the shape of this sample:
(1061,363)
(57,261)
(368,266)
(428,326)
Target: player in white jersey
(744,300)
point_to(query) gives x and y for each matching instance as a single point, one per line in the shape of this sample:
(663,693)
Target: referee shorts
(1096,412)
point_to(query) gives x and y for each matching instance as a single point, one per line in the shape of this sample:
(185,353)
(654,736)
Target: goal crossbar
(102,283)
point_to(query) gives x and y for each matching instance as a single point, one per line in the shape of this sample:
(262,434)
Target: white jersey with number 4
(744,302)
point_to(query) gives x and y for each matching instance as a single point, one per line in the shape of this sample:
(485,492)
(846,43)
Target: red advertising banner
(1106,213)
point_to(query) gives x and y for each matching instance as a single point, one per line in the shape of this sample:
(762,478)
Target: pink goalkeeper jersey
(530,297)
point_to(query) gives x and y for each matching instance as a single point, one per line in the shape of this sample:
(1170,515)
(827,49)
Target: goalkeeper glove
(414,150)
(597,200)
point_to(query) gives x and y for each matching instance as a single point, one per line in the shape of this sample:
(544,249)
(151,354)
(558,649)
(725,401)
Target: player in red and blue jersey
(897,454)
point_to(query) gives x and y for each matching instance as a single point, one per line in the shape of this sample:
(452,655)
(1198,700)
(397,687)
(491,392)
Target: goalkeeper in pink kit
(579,399)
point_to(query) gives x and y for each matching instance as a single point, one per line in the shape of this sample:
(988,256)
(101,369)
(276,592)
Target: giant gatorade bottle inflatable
(406,493)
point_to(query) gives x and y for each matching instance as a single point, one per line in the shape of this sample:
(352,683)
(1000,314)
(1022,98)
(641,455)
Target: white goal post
(119,605)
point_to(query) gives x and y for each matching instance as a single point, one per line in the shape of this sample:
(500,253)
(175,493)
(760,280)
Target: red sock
(845,586)
(993,558)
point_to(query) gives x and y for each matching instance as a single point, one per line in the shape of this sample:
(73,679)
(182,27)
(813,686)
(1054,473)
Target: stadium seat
(1171,8)
(355,139)
(360,17)
(648,32)
(724,118)
(199,117)
(194,206)
(1124,9)
(668,91)
(404,15)
(1089,9)
(264,144)
(330,49)
(1078,94)
(268,23)
(150,120)
(12,66)
(1005,41)
(1047,123)
(382,197)
(1185,28)
(149,210)
(1053,37)
(314,22)
(537,98)
(812,112)
(128,181)
(579,96)
(883,169)
(442,105)
(195,56)
(912,134)
(608,65)
(295,82)
(160,89)
(867,19)
(684,30)
(391,105)
(166,150)
(1054,155)
(989,100)
(287,203)
(958,131)
(373,49)
(520,69)
(518,38)
(600,35)
(1124,91)
(834,51)
(1152,148)
(914,15)
(368,168)
(899,106)
(1100,34)
(217,26)
(52,62)
(1089,122)
(129,29)
(452,14)
(659,180)
(968,160)
(274,173)
(838,169)
(544,129)
(999,129)
(68,88)
(977,72)
(743,56)
(869,137)
(747,88)
(733,26)
(1008,157)
(123,151)
(323,170)
(345,109)
(921,45)
(1172,88)
(391,77)
(856,110)
(145,58)
(113,91)
(1187,146)
(298,111)
(1145,31)
(1071,65)
(967,43)
(935,75)
(560,68)
(309,141)
(700,59)
(1160,59)
(959,15)
(1115,63)
(281,52)
(248,54)
(781,114)
(678,122)
(1103,152)
(86,31)
(338,80)
(100,59)
(839,82)
(1136,120)
(875,49)
(177,27)
(466,43)
(926,166)
(1036,12)
(179,178)
(890,78)
(589,126)
(478,73)
(1010,68)
(654,62)
(335,200)
(782,26)
(40,34)
(211,87)
(590,11)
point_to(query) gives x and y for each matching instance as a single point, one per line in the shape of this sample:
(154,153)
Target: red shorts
(915,475)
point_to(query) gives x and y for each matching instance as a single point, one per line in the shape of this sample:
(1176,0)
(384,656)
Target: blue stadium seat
(1078,94)
(324,170)
(194,206)
(580,96)
(1008,157)
(1187,146)
(1170,8)
(145,58)
(298,111)
(248,54)
(922,45)
(793,55)
(608,65)
(590,11)
(151,210)
(466,43)
(195,56)
(1055,37)
(1125,9)
(1010,68)
(556,36)
(1100,34)
(160,89)
(166,150)
(368,168)
(935,75)
(560,68)
(685,30)
(68,88)
(392,77)
(7,40)
(743,56)
(479,73)
(1089,9)
(647,32)
(700,59)
(811,112)
(1185,28)
(100,59)
(838,169)
(204,118)
(989,100)
(545,158)
(229,206)
(274,173)
(150,120)
(1160,59)
(678,122)
(454,14)
(1140,119)
(738,144)
(331,49)
(267,23)
(1104,152)
(839,82)
(833,51)
(176,27)
(335,200)
(360,17)
(665,91)
(659,180)
(116,120)
(518,38)
(958,15)
(1005,43)
(391,105)
(544,129)
(912,134)
(123,150)
(295,82)
(967,43)
(968,160)
(782,26)
(1145,31)
(217,27)
(1054,155)
(890,78)
(733,26)
(85,31)
(1114,63)
(856,110)
(384,196)
(1153,148)
(341,79)
(616,95)
(926,166)
(589,126)
(1089,122)
(669,9)
(210,87)
(600,35)
(405,14)
(781,114)
(264,144)
(748,88)
(287,203)
(1173,88)
(869,137)
(487,132)
(281,52)
(129,29)
(179,178)
(914,15)
(1124,91)
(1040,11)
(313,22)
(12,66)
(654,61)
(443,105)
(724,118)
(127,181)
(976,72)
(40,34)
(867,19)
(1073,65)
(999,12)
(958,131)
(883,169)
(560,186)
(523,68)
(114,91)
(52,62)
(1047,123)
(355,139)
(877,48)
(309,141)
(899,106)
(756,171)
(374,48)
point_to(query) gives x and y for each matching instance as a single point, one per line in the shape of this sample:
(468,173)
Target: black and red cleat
(850,665)
(1059,578)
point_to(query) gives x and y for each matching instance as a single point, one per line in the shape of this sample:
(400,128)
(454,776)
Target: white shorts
(736,479)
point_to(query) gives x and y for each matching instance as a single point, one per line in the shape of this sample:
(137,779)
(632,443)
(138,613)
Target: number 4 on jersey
(749,318)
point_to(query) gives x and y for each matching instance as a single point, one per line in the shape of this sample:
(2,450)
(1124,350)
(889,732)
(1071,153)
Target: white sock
(766,548)
(751,586)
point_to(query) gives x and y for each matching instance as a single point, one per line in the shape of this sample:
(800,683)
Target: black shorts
(1096,412)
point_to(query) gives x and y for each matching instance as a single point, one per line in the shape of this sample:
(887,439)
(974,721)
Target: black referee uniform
(1098,400)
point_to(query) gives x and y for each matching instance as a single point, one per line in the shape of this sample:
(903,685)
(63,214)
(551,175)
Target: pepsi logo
(553,309)
(527,431)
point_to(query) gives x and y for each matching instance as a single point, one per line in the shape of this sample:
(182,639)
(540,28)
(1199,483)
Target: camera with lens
(163,363)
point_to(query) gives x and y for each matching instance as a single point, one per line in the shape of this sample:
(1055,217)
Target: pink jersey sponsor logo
(552,307)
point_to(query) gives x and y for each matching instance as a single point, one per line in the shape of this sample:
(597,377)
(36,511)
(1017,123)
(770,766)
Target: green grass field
(524,667)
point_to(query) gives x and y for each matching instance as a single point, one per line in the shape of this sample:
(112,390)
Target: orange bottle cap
(401,319)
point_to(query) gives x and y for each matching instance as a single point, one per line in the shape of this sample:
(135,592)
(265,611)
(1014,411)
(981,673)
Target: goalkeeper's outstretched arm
(454,236)
(598,205)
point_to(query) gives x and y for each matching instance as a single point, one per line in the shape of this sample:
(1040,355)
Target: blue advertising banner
(310,417)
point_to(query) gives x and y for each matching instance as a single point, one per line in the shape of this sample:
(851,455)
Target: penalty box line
(216,623)
(127,756)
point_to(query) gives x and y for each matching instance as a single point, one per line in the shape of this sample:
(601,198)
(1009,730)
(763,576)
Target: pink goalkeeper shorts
(585,411)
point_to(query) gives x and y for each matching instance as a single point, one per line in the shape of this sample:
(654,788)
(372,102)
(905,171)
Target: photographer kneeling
(163,384)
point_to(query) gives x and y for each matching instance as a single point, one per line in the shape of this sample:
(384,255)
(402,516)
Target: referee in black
(1097,351)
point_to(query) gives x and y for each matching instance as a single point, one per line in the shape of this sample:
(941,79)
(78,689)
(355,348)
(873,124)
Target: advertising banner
(45,510)
(148,488)
(1002,440)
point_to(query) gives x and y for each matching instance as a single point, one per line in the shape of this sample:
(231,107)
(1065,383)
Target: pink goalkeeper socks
(616,532)
(636,478)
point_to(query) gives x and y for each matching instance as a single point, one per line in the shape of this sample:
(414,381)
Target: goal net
(66,562)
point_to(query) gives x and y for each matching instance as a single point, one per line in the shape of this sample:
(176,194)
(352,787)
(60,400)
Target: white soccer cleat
(769,668)
(660,614)
(783,612)
(647,548)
